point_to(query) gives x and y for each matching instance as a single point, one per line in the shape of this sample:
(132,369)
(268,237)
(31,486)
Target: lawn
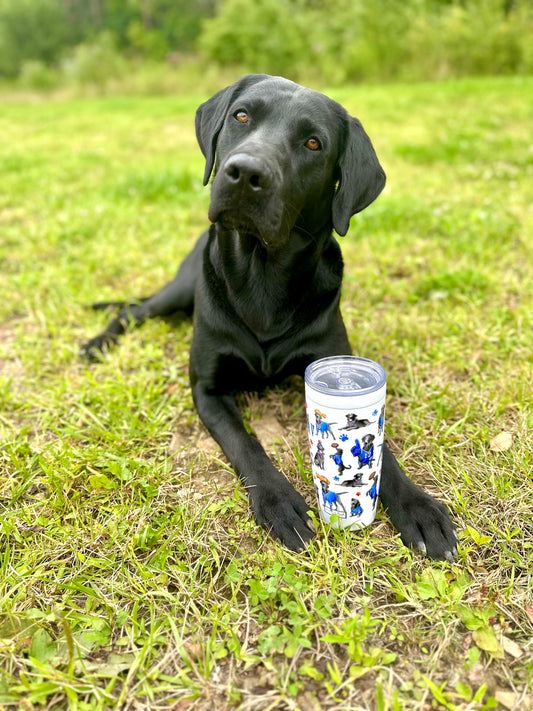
(132,575)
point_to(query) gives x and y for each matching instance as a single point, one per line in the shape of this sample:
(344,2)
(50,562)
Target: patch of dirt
(193,447)
(268,431)
(271,420)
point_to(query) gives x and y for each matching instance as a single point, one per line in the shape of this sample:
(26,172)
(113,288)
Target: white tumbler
(345,401)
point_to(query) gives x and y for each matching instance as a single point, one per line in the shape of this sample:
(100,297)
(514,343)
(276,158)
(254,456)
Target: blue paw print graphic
(343,437)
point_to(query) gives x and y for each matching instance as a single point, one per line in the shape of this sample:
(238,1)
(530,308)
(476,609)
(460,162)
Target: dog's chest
(263,301)
(265,319)
(254,367)
(263,338)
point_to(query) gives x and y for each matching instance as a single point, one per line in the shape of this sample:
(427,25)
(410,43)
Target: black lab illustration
(264,283)
(353,423)
(319,456)
(356,480)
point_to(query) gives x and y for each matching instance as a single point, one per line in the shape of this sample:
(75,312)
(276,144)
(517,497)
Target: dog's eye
(241,116)
(313,144)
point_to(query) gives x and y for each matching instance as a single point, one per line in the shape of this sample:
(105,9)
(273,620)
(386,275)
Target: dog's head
(284,156)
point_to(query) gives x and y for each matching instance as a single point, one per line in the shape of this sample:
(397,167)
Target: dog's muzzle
(245,197)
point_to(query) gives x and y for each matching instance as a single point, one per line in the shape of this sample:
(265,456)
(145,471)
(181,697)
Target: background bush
(48,42)
(31,30)
(372,39)
(95,62)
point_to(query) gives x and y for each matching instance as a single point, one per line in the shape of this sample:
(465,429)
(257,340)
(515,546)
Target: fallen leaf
(193,648)
(485,638)
(101,481)
(182,705)
(510,700)
(511,647)
(309,702)
(506,698)
(502,442)
(25,528)
(112,667)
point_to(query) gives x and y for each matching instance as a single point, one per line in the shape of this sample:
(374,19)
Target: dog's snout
(247,171)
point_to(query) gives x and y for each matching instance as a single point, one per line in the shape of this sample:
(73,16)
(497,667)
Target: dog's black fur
(265,282)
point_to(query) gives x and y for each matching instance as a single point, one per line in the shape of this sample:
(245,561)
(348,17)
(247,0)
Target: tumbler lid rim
(345,376)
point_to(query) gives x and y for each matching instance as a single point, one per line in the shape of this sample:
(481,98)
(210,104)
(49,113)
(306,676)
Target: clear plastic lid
(345,376)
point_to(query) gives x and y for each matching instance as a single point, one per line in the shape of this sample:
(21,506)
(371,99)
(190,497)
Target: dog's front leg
(422,521)
(277,506)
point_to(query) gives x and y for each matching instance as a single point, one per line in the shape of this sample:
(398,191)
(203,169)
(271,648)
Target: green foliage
(31,30)
(439,586)
(266,35)
(147,43)
(352,633)
(157,27)
(480,621)
(332,42)
(350,40)
(45,30)
(472,38)
(95,62)
(35,74)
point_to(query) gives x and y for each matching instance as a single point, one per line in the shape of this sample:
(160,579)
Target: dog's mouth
(230,220)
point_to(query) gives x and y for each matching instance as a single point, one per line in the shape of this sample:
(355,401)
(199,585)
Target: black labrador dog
(290,165)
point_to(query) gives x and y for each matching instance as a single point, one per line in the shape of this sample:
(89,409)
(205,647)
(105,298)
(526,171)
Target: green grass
(132,575)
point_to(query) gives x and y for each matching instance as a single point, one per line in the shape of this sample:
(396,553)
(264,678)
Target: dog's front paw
(425,524)
(283,512)
(94,350)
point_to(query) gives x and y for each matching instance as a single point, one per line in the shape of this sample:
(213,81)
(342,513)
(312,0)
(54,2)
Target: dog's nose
(247,171)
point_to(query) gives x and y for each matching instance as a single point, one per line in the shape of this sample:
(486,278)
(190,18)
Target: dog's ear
(210,117)
(361,177)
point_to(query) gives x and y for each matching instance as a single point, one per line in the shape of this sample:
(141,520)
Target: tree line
(333,40)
